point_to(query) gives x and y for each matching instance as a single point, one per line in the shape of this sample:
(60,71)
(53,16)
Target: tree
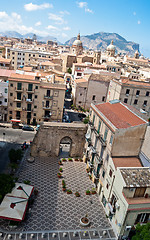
(69,70)
(15,155)
(142,232)
(6,184)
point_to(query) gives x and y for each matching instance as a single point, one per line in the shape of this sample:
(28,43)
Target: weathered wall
(128,142)
(46,142)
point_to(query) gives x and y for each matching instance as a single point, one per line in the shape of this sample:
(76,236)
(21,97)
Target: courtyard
(54,209)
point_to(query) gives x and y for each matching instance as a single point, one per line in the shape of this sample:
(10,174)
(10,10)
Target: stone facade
(47,141)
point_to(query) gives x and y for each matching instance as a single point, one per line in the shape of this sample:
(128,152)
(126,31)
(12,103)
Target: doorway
(65,147)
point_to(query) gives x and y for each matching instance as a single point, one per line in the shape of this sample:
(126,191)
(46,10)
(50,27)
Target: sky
(64,19)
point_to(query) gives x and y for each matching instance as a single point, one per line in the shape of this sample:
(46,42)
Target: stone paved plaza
(54,209)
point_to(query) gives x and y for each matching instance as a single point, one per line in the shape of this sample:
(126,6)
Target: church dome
(111,46)
(77,42)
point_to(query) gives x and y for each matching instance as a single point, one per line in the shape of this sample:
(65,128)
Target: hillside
(100,41)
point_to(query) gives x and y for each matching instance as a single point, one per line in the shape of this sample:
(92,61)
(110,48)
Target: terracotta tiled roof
(4,60)
(80,80)
(126,162)
(126,81)
(22,76)
(119,115)
(6,73)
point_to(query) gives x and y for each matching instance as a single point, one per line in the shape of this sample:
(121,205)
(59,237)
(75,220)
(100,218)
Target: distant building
(77,47)
(3,100)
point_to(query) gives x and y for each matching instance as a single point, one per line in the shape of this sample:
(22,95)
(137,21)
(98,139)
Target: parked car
(27,128)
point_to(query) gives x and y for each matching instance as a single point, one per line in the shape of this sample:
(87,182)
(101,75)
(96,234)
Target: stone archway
(65,146)
(49,136)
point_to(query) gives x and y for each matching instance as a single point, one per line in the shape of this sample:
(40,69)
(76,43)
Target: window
(135,101)
(107,157)
(147,93)
(11,84)
(29,55)
(142,218)
(103,174)
(127,91)
(35,106)
(93,98)
(34,114)
(137,93)
(107,185)
(48,93)
(93,119)
(111,139)
(19,86)
(125,100)
(18,105)
(11,104)
(145,103)
(19,96)
(28,107)
(6,90)
(11,94)
(13,53)
(80,94)
(139,192)
(105,134)
(36,87)
(0,102)
(10,118)
(79,102)
(5,99)
(30,86)
(99,125)
(30,96)
(10,112)
(35,96)
(110,173)
(103,98)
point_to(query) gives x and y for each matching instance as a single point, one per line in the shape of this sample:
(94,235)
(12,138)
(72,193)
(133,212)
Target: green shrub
(27,182)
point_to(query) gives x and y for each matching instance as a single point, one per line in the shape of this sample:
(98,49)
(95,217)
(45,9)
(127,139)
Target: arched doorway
(65,147)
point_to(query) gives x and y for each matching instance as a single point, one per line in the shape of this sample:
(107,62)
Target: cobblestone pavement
(54,209)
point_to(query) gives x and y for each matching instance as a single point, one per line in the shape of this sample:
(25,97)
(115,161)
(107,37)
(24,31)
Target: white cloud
(50,27)
(64,35)
(139,22)
(57,18)
(82,4)
(38,24)
(33,7)
(85,6)
(88,10)
(3,15)
(64,12)
(66,28)
(16,16)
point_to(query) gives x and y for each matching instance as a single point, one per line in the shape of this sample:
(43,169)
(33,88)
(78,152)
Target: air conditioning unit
(128,228)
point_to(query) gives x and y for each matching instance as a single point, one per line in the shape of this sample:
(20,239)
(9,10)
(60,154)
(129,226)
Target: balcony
(99,160)
(18,109)
(18,100)
(95,174)
(29,100)
(47,107)
(29,110)
(103,141)
(18,90)
(46,117)
(48,97)
(29,90)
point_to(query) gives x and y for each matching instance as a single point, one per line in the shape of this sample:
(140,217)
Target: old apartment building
(33,99)
(114,138)
(132,92)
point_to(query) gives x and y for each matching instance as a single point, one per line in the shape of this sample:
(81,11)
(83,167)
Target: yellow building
(33,99)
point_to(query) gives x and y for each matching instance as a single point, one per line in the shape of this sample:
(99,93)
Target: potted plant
(59,175)
(60,162)
(77,194)
(70,159)
(88,192)
(69,191)
(76,159)
(81,160)
(64,188)
(84,221)
(63,182)
(90,177)
(87,170)
(64,160)
(60,169)
(93,191)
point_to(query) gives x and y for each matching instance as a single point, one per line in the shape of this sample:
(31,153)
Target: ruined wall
(46,142)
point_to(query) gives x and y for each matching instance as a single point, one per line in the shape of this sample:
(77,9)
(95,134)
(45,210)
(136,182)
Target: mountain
(100,41)
(30,35)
